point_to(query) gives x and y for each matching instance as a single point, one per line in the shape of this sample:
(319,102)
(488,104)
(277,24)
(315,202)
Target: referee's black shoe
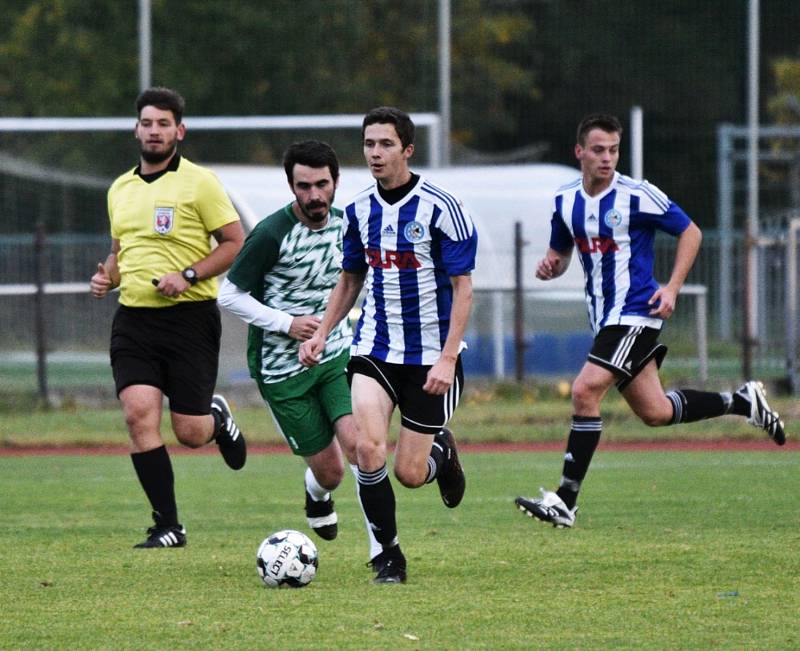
(161,535)
(450,477)
(228,436)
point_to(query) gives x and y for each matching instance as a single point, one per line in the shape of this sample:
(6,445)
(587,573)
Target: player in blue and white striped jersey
(413,244)
(613,232)
(611,220)
(411,249)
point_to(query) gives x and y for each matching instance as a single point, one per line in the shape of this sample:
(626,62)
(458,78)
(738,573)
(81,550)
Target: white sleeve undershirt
(251,311)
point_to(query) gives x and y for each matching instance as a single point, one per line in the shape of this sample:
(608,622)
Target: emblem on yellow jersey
(163,219)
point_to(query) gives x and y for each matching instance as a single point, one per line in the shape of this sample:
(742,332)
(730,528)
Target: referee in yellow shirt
(166,333)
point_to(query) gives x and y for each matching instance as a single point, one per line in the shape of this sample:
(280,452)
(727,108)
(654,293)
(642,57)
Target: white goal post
(431,121)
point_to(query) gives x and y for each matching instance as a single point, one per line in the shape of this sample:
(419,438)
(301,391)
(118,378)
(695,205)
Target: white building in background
(497,196)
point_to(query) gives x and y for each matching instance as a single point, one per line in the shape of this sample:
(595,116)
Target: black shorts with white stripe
(626,350)
(420,411)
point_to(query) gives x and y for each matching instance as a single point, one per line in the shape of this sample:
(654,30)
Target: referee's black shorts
(420,411)
(175,349)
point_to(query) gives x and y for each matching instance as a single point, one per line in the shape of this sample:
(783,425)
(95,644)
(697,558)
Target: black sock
(689,405)
(436,459)
(377,500)
(581,444)
(740,405)
(154,470)
(217,416)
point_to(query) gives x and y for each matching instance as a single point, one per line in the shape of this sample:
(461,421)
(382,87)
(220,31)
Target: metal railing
(72,321)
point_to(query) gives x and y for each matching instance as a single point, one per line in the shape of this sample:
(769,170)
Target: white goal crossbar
(431,121)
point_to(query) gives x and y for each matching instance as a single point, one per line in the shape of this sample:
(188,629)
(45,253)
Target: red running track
(719,445)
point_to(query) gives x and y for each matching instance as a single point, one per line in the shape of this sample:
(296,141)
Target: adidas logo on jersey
(591,218)
(388,230)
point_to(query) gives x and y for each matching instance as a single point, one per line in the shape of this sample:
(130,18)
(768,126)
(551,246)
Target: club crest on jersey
(612,218)
(163,219)
(414,231)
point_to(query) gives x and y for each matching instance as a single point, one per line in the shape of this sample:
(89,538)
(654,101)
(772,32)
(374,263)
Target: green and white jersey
(289,267)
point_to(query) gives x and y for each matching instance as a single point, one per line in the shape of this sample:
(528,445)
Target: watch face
(190,275)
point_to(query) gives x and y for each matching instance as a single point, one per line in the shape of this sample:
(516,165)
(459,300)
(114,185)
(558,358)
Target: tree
(784,105)
(78,57)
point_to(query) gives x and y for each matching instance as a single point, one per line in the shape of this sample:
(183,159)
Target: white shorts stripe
(624,347)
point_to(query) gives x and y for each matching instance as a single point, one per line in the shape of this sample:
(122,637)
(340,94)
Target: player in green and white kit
(279,284)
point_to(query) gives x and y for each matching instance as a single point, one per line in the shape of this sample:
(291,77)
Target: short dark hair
(163,98)
(605,122)
(390,115)
(313,153)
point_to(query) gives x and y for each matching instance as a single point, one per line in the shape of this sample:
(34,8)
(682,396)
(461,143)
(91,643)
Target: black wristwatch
(190,276)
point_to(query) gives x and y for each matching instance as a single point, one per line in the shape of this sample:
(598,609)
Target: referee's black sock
(584,436)
(154,470)
(689,405)
(377,499)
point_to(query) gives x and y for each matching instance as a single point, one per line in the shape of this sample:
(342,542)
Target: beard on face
(157,156)
(315,217)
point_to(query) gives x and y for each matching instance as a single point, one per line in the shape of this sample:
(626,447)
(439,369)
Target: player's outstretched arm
(553,264)
(239,302)
(665,297)
(342,298)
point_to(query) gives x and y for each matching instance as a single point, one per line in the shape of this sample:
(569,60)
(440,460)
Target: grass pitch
(671,550)
(495,414)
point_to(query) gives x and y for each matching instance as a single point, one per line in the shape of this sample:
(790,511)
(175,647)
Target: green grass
(671,550)
(497,413)
(21,376)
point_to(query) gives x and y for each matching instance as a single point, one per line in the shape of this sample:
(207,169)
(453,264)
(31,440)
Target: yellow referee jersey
(165,226)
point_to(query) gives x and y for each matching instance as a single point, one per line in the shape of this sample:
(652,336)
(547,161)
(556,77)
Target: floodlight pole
(145,49)
(749,339)
(444,80)
(637,143)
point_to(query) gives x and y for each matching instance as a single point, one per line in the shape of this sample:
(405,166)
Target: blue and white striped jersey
(613,233)
(409,250)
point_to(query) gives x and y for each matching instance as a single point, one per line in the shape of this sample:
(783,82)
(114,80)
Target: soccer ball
(287,559)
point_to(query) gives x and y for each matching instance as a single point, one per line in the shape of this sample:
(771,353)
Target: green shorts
(306,406)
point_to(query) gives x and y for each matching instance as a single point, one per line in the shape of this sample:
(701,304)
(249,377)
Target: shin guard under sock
(583,438)
(154,470)
(377,499)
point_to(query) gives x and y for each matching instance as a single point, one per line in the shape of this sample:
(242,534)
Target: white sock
(317,492)
(375,547)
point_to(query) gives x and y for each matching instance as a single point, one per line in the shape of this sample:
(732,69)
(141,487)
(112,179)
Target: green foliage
(523,73)
(76,58)
(69,57)
(675,550)
(785,104)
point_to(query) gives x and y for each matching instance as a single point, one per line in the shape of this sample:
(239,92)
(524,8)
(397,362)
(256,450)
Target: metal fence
(555,333)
